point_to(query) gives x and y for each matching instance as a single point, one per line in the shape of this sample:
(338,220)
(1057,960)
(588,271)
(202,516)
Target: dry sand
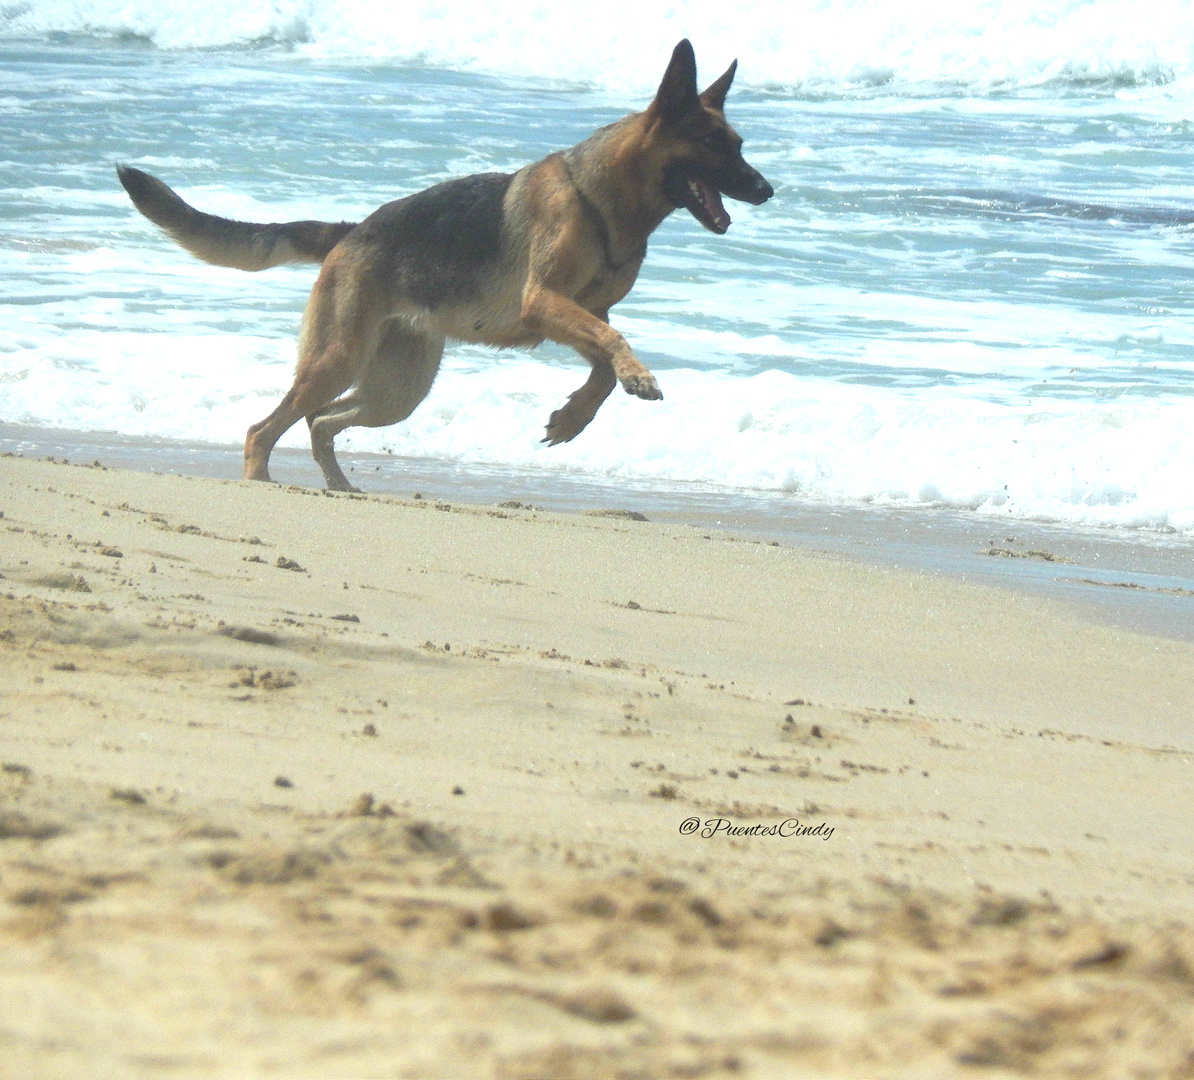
(308,786)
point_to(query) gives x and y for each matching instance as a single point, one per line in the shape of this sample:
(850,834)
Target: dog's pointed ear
(714,96)
(677,92)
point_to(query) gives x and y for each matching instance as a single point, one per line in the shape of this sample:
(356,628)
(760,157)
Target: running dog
(496,259)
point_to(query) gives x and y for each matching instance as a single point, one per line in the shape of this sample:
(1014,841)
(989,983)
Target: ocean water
(974,288)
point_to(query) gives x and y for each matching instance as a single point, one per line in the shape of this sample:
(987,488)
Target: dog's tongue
(709,210)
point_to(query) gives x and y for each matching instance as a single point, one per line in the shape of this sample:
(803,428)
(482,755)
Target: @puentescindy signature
(725,827)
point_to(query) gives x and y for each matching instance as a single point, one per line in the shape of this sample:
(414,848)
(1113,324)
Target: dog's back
(438,245)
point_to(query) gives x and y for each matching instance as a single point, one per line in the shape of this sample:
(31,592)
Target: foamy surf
(803,44)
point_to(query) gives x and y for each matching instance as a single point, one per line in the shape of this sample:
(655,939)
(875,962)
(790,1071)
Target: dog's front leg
(573,417)
(555,316)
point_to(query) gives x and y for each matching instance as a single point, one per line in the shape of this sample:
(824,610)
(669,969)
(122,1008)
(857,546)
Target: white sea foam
(619,44)
(1120,464)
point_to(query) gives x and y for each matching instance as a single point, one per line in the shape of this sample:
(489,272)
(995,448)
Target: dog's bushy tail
(240,244)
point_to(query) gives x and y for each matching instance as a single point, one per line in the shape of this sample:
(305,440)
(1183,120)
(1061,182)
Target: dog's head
(704,154)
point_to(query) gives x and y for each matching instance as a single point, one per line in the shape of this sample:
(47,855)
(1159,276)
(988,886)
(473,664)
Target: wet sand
(1134,579)
(303,785)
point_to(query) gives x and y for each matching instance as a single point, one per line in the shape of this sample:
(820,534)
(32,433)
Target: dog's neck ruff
(597,219)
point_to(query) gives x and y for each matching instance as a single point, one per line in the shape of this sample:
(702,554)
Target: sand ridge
(297,785)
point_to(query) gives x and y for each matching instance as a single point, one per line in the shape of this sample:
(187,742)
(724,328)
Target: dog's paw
(643,386)
(564,426)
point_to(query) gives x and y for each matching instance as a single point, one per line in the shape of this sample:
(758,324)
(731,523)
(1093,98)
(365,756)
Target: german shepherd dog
(496,259)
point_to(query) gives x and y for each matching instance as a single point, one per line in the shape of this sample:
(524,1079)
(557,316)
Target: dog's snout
(748,185)
(762,190)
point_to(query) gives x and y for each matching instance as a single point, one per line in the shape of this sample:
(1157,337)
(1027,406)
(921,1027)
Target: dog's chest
(609,284)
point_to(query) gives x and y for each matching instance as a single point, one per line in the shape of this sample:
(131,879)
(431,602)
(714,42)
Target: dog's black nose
(762,192)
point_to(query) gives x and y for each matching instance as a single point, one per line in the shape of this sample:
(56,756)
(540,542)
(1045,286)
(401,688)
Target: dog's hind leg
(305,395)
(337,342)
(399,377)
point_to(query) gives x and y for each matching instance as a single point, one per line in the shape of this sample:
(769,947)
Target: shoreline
(297,784)
(1132,580)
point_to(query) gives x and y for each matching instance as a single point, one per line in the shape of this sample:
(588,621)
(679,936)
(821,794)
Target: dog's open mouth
(703,201)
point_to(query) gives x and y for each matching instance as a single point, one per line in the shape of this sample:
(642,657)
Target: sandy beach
(308,785)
